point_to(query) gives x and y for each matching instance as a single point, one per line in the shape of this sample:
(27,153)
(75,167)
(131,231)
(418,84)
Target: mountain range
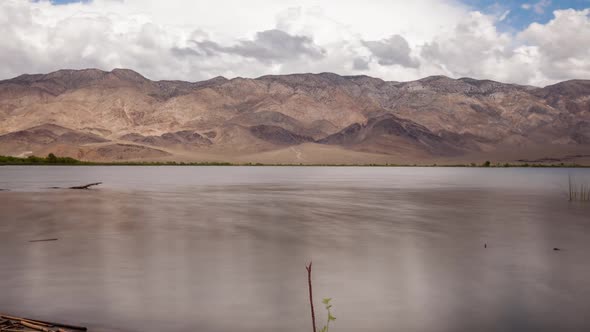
(323,118)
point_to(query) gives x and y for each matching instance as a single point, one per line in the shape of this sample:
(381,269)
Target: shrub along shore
(53,160)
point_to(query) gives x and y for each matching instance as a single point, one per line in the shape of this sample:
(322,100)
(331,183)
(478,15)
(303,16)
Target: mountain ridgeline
(325,118)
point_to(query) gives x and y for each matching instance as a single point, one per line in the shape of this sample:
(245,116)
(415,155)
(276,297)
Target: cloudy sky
(535,42)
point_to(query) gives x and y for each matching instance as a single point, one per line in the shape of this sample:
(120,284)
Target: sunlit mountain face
(300,118)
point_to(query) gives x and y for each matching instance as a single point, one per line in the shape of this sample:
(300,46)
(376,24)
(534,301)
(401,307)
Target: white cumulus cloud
(195,40)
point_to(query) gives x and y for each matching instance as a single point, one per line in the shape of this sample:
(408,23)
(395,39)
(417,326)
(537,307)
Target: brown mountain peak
(432,117)
(129,75)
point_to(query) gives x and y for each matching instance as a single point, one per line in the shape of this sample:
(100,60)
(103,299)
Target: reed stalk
(578,191)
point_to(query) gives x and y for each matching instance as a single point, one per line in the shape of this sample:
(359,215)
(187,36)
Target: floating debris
(44,240)
(86,186)
(556,249)
(19,324)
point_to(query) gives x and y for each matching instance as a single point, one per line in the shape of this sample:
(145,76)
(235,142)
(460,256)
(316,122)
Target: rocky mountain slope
(301,118)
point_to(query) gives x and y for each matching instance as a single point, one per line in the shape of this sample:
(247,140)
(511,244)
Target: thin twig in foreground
(308,268)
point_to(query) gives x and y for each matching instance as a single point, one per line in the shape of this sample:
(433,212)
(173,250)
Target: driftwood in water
(20,320)
(12,323)
(86,186)
(70,327)
(44,240)
(35,326)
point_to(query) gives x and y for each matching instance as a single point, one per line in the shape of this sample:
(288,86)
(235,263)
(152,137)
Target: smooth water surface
(224,249)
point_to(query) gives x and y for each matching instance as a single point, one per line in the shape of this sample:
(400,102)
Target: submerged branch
(86,186)
(43,240)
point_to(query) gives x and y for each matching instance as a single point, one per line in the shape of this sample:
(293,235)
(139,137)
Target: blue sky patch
(520,14)
(63,2)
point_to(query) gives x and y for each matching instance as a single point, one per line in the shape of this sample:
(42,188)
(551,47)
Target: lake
(224,249)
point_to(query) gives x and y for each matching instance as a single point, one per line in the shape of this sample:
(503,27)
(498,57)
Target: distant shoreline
(52,160)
